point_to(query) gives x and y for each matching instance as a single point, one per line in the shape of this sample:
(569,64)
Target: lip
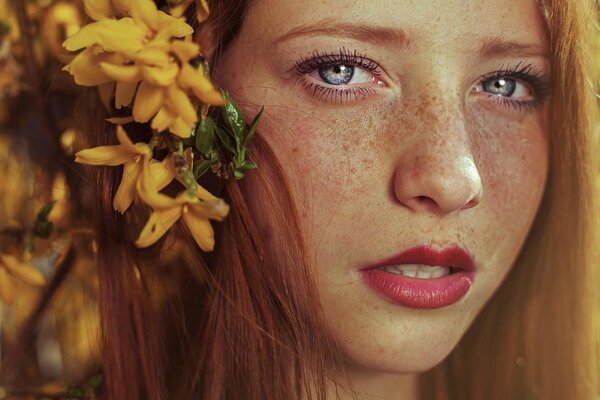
(423,293)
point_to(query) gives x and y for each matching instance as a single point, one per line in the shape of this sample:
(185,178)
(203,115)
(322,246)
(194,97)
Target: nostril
(425,202)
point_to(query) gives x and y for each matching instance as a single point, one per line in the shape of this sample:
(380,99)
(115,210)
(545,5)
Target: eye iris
(500,86)
(337,74)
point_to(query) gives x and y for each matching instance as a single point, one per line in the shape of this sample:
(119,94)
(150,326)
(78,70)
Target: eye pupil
(337,74)
(500,86)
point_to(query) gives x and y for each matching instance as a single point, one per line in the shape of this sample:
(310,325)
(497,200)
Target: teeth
(418,271)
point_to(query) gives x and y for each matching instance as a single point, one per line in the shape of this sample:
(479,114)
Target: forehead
(423,22)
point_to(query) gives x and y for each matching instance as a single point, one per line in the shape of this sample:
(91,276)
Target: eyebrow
(364,33)
(498,46)
(495,46)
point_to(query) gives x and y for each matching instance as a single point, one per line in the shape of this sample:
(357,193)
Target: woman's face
(413,135)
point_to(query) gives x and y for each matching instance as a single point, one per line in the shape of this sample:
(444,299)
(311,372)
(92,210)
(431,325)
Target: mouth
(422,277)
(420,271)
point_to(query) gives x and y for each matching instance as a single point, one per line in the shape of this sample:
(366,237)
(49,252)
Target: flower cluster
(146,59)
(143,56)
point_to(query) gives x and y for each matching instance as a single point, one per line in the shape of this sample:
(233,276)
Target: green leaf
(253,126)
(214,157)
(4,28)
(201,167)
(237,174)
(95,380)
(225,139)
(206,135)
(234,117)
(45,211)
(43,229)
(250,165)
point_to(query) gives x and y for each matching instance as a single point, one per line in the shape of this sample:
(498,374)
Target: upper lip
(454,257)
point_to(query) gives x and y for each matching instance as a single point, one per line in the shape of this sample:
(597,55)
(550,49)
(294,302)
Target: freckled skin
(423,160)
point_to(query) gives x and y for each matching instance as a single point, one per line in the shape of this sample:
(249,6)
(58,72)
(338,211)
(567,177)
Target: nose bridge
(438,171)
(442,131)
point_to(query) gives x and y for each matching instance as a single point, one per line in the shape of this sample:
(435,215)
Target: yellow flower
(103,9)
(111,46)
(202,9)
(195,212)
(141,48)
(12,267)
(132,157)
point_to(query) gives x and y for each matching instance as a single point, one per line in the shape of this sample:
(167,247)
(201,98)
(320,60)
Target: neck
(361,385)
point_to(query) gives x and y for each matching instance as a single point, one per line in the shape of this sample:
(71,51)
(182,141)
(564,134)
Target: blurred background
(49,338)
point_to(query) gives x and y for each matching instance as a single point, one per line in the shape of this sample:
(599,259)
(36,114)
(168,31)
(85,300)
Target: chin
(404,359)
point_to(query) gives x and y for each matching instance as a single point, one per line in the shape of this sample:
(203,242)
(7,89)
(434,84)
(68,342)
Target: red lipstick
(423,293)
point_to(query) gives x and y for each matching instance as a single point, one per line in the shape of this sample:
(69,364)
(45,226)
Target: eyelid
(307,65)
(343,56)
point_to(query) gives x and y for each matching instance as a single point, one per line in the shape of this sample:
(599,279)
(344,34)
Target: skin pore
(399,123)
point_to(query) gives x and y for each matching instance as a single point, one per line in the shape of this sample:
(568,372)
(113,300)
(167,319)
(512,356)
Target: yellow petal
(127,189)
(98,9)
(181,102)
(216,209)
(134,149)
(154,56)
(147,189)
(144,13)
(124,96)
(171,27)
(163,172)
(7,292)
(205,195)
(200,84)
(120,36)
(180,128)
(185,51)
(160,76)
(85,37)
(202,10)
(120,120)
(158,224)
(23,271)
(122,73)
(201,231)
(162,120)
(121,7)
(104,155)
(86,71)
(148,101)
(105,92)
(178,11)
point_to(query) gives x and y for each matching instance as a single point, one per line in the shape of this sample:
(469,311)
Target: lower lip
(419,293)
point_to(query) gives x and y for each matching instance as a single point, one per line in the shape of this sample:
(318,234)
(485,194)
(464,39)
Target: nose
(439,174)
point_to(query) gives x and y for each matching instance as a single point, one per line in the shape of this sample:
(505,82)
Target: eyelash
(318,60)
(528,74)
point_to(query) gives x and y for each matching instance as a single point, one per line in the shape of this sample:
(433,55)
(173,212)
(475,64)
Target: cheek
(512,158)
(325,156)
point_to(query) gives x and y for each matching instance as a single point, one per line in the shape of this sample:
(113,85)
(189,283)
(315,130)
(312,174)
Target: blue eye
(337,74)
(500,86)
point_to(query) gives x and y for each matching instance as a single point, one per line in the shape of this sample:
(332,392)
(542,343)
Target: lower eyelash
(335,95)
(516,105)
